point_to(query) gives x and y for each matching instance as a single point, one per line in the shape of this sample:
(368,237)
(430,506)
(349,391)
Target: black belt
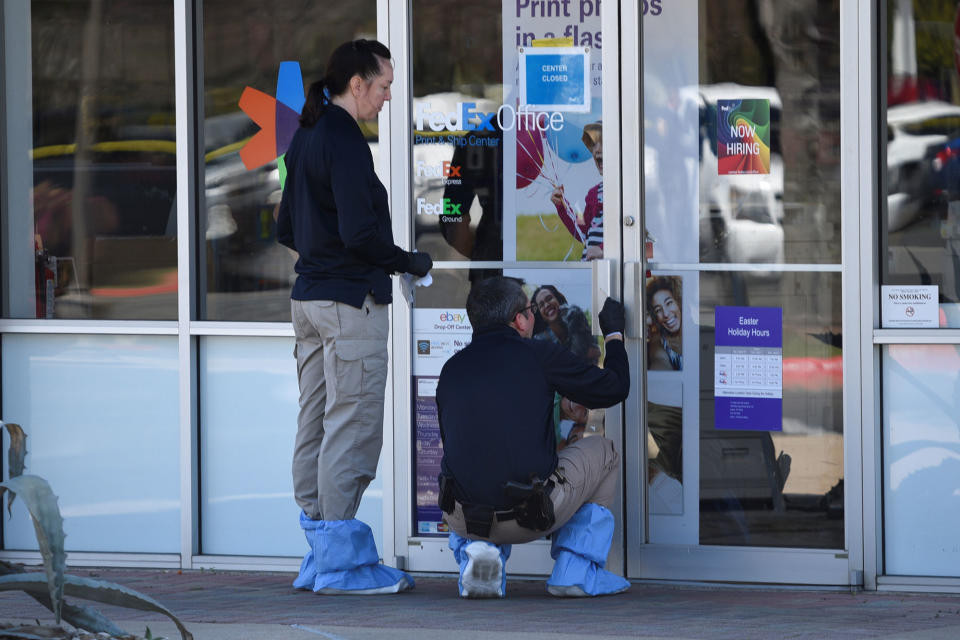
(506,515)
(479,518)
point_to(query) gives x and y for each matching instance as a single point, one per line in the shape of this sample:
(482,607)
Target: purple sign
(748,368)
(428,451)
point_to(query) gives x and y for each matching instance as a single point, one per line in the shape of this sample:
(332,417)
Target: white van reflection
(741,216)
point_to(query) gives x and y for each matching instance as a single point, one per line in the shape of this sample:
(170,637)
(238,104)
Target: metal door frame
(755,564)
(430,554)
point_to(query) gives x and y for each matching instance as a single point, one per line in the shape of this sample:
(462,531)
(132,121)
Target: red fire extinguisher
(45,279)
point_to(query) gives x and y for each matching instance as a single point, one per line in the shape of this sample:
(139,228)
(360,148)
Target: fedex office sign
(467,118)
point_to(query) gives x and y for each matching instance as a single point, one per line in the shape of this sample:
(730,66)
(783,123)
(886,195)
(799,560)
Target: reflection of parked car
(238,205)
(741,216)
(921,143)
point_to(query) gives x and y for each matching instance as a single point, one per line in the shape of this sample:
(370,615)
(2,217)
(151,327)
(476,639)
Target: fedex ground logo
(467,117)
(447,208)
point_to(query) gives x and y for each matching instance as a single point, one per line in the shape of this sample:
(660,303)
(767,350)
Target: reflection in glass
(102,228)
(777,488)
(921,450)
(494,179)
(469,71)
(920,224)
(741,194)
(248,275)
(751,120)
(665,453)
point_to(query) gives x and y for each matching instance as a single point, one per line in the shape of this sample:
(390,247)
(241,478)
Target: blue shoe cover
(579,550)
(308,572)
(343,559)
(483,567)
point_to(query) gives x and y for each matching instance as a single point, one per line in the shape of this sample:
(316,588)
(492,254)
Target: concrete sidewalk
(260,606)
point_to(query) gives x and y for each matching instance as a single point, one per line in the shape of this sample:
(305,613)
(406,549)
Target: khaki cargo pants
(590,466)
(341,356)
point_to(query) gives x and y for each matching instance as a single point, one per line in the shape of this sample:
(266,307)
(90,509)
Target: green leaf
(149,636)
(80,616)
(96,590)
(29,632)
(48,525)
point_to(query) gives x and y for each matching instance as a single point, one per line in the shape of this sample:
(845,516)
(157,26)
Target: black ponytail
(315,104)
(357,57)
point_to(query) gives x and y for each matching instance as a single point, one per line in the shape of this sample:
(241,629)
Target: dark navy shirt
(495,403)
(334,213)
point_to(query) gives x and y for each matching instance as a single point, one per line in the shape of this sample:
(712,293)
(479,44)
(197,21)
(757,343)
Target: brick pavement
(647,610)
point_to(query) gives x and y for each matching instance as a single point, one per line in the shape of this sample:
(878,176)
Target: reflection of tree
(245,41)
(85,136)
(457,50)
(934,36)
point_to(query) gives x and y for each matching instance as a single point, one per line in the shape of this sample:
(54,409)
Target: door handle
(601,284)
(633,291)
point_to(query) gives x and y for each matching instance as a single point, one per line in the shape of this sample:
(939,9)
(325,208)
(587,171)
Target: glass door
(740,466)
(506,177)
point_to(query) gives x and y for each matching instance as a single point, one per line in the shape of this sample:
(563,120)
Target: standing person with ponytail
(334,214)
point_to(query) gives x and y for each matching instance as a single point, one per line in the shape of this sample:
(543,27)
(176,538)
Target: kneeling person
(502,480)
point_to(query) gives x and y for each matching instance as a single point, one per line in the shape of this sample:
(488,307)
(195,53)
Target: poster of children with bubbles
(553,181)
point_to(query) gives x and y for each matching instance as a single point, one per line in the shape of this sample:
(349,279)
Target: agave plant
(48,588)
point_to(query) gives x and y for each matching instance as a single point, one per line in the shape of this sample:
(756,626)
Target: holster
(447,500)
(534,508)
(479,519)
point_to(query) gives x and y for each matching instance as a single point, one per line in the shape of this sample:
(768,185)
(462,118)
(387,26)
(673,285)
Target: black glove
(420,263)
(612,317)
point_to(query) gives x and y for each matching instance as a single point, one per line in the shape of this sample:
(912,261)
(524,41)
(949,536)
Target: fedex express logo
(448,172)
(466,118)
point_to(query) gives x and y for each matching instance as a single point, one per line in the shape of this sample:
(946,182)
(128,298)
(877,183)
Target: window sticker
(748,368)
(743,136)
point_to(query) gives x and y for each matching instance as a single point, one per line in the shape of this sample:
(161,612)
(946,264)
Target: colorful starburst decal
(277,118)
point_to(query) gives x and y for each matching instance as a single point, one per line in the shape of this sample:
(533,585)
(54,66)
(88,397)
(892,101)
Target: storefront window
(743,298)
(919,231)
(921,445)
(507,132)
(90,161)
(247,383)
(102,430)
(470,71)
(920,213)
(247,275)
